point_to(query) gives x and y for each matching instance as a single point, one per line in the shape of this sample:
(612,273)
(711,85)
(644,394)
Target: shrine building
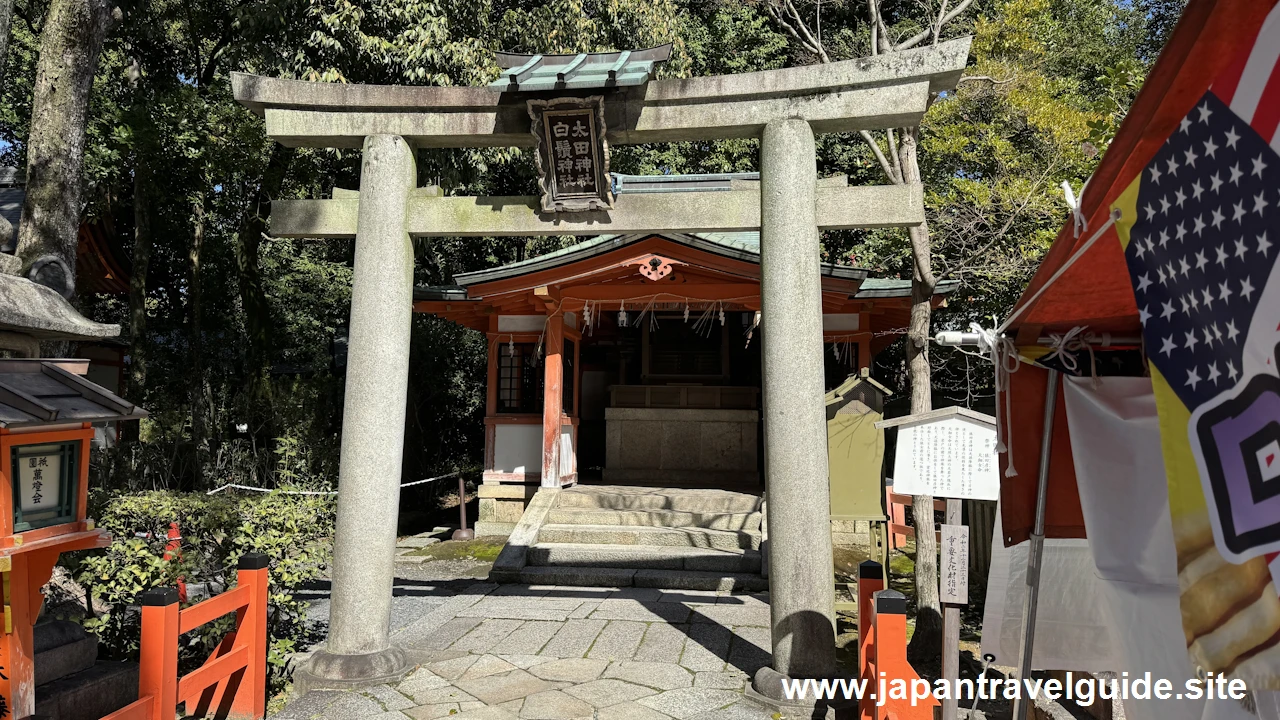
(637,357)
(635,379)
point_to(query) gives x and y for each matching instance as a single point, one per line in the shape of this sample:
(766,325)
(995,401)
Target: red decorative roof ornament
(656,267)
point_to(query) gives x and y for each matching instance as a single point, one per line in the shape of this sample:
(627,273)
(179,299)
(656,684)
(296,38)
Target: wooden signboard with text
(954,575)
(572,154)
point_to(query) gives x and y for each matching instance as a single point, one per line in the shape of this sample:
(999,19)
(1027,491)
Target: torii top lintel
(583,71)
(891,90)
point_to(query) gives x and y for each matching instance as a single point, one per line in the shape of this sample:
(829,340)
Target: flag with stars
(1200,229)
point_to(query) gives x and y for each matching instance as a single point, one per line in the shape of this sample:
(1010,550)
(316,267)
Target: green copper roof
(584,71)
(893,287)
(743,246)
(738,245)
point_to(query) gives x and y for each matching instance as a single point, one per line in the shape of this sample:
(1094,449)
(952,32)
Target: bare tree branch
(786,14)
(893,151)
(792,32)
(984,78)
(937,26)
(973,229)
(804,28)
(888,169)
(923,35)
(873,9)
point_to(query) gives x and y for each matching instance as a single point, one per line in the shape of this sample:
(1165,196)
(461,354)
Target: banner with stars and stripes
(1200,229)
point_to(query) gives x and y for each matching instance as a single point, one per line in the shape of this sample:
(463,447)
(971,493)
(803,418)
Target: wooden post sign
(954,588)
(573,155)
(950,453)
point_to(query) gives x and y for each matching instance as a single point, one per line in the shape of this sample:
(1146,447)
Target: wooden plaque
(572,154)
(954,571)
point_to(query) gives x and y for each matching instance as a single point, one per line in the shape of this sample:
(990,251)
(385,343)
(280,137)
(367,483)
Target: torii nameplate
(572,154)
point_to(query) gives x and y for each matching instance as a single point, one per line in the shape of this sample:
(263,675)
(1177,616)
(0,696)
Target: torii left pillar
(358,650)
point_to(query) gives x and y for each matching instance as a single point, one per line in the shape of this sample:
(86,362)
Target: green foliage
(294,531)
(228,407)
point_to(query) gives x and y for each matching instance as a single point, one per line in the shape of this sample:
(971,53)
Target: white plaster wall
(566,449)
(517,448)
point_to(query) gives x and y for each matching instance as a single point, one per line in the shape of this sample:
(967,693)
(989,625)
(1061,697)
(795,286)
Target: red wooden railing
(896,508)
(882,647)
(232,683)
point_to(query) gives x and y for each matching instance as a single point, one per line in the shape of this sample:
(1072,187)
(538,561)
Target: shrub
(295,531)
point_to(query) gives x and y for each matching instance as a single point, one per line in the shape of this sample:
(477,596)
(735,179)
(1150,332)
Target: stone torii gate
(784,108)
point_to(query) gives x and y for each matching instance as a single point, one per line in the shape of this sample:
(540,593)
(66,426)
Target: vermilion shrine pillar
(795,460)
(553,399)
(358,648)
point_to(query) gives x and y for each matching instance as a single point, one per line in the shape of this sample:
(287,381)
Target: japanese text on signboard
(571,137)
(573,154)
(39,479)
(947,458)
(955,564)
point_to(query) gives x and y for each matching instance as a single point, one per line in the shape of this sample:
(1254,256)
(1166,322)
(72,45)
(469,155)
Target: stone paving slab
(626,609)
(707,647)
(530,638)
(523,652)
(486,635)
(606,692)
(731,615)
(572,670)
(618,640)
(574,638)
(660,676)
(662,643)
(554,705)
(416,541)
(690,702)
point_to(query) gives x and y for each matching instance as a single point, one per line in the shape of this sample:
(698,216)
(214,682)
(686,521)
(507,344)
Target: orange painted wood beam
(553,398)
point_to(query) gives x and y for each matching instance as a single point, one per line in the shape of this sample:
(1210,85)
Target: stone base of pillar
(330,671)
(766,690)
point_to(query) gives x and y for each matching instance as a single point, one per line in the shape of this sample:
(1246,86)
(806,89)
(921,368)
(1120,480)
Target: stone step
(643,557)
(621,497)
(618,577)
(654,518)
(645,535)
(694,580)
(89,694)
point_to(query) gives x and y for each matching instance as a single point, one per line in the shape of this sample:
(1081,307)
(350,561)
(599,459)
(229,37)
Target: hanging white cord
(1080,222)
(318,492)
(1003,355)
(1064,346)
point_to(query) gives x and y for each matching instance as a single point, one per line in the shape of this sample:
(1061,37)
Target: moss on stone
(482,549)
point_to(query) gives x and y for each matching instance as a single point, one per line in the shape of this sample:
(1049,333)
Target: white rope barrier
(321,492)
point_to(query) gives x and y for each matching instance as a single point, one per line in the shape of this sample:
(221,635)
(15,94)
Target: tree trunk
(142,244)
(6,14)
(195,307)
(253,298)
(69,47)
(248,240)
(926,642)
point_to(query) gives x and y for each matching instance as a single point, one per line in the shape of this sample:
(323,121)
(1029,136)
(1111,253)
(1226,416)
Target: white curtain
(1111,602)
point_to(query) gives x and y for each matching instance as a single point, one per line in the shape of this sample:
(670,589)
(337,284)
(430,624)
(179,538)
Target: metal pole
(462,533)
(1036,553)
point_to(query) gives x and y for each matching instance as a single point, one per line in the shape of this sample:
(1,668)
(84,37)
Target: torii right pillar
(801,593)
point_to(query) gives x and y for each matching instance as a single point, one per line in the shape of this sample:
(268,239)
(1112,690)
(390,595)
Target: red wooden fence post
(870,582)
(158,664)
(251,698)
